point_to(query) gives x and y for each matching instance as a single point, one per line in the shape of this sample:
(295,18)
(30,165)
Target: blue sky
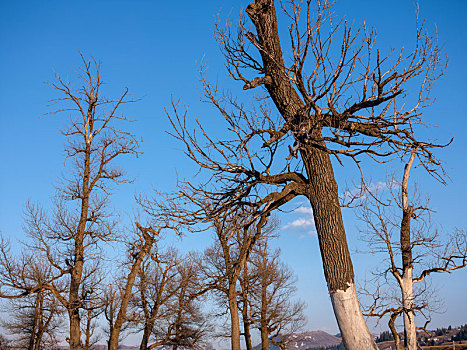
(153,47)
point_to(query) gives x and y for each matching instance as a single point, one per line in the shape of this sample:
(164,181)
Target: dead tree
(335,95)
(70,236)
(417,241)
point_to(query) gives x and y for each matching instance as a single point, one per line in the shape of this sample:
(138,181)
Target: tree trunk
(264,307)
(234,319)
(75,332)
(146,334)
(246,319)
(40,322)
(264,336)
(87,341)
(121,317)
(410,331)
(393,329)
(246,333)
(37,311)
(355,333)
(322,191)
(337,264)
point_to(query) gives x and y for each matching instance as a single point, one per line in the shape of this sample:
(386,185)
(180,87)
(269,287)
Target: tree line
(327,97)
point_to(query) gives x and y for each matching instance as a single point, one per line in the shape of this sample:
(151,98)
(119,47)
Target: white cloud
(304,223)
(300,222)
(304,210)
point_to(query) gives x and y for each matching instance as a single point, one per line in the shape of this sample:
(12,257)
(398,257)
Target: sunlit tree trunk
(322,191)
(234,319)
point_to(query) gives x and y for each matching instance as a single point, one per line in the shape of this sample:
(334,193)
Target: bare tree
(33,312)
(274,313)
(156,284)
(34,321)
(417,242)
(118,306)
(71,236)
(246,280)
(4,343)
(92,309)
(183,323)
(336,96)
(224,262)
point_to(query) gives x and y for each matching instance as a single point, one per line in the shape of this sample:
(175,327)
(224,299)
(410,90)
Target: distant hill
(308,340)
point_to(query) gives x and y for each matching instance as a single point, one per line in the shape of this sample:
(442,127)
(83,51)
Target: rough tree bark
(322,191)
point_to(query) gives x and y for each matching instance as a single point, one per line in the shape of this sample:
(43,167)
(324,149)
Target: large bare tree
(419,248)
(70,236)
(329,93)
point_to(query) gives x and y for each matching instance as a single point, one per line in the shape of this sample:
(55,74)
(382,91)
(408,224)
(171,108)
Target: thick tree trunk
(355,333)
(74,300)
(337,264)
(234,319)
(322,191)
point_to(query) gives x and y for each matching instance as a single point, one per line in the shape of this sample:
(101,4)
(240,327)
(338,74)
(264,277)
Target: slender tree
(156,284)
(225,261)
(335,95)
(417,240)
(273,312)
(34,313)
(139,250)
(184,324)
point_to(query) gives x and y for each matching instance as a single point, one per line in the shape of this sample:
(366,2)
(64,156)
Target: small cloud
(304,210)
(300,222)
(304,223)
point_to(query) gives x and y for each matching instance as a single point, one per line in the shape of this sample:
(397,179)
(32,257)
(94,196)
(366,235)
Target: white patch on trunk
(409,317)
(354,331)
